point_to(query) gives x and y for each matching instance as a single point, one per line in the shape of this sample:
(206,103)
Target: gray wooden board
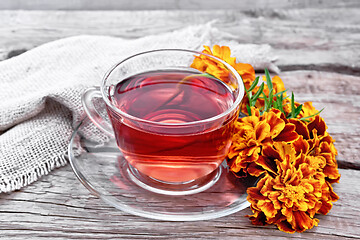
(167,5)
(318,52)
(320,39)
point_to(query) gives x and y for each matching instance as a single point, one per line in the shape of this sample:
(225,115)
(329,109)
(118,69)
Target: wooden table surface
(318,53)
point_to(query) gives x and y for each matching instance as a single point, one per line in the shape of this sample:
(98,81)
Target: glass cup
(172,123)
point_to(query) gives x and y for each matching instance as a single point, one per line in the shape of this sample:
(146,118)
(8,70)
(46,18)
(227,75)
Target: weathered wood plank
(321,39)
(169,4)
(58,207)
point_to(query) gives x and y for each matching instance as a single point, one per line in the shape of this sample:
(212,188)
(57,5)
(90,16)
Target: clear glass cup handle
(92,112)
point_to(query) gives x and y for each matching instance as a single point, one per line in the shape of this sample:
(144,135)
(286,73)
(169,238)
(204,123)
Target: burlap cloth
(40,92)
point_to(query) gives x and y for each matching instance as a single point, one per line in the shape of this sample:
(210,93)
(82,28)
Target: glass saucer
(99,165)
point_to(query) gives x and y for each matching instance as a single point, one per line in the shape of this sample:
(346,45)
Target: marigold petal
(288,213)
(253,193)
(238,163)
(285,227)
(250,121)
(303,221)
(255,170)
(319,124)
(332,173)
(302,206)
(225,52)
(333,195)
(308,187)
(232,153)
(278,85)
(325,207)
(288,134)
(199,64)
(268,185)
(284,150)
(246,72)
(267,207)
(306,171)
(266,164)
(207,50)
(276,123)
(225,55)
(271,152)
(300,128)
(312,203)
(273,196)
(262,130)
(217,51)
(301,146)
(258,218)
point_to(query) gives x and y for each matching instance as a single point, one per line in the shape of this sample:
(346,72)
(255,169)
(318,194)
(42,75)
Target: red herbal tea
(173,153)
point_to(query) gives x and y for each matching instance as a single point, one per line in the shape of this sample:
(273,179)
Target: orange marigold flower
(218,70)
(290,196)
(293,159)
(252,134)
(318,147)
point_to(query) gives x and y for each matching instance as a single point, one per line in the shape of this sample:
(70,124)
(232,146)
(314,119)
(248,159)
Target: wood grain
(310,39)
(167,5)
(318,52)
(59,207)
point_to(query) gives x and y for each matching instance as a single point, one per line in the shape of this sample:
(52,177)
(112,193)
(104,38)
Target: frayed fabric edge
(17,183)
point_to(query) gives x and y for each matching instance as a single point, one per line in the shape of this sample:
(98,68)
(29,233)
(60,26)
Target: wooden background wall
(168,4)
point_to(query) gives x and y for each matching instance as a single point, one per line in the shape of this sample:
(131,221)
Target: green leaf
(266,102)
(279,100)
(249,94)
(254,84)
(275,104)
(298,110)
(257,94)
(271,96)
(292,105)
(281,97)
(268,80)
(248,109)
(305,118)
(280,93)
